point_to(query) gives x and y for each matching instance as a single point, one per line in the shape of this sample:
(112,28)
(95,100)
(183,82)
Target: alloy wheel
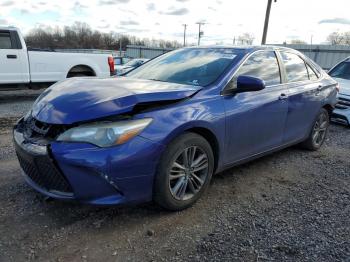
(188,173)
(320,129)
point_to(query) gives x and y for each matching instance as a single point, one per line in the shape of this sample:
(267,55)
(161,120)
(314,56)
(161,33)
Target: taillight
(337,87)
(111,64)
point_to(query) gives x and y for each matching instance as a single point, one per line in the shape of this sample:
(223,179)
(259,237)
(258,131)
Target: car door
(13,59)
(255,121)
(304,99)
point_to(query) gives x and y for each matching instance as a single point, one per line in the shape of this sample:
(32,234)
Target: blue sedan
(164,129)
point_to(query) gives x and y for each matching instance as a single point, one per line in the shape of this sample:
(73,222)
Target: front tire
(184,172)
(318,133)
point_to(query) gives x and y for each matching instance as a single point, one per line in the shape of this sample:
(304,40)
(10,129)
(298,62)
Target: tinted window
(341,71)
(5,40)
(312,74)
(295,67)
(263,65)
(193,66)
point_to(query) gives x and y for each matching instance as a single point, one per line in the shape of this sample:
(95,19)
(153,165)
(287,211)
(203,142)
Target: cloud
(104,26)
(211,8)
(113,2)
(3,22)
(335,21)
(174,11)
(182,1)
(78,5)
(151,7)
(129,22)
(24,11)
(8,3)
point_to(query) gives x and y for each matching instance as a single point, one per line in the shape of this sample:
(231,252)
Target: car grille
(39,132)
(343,103)
(43,172)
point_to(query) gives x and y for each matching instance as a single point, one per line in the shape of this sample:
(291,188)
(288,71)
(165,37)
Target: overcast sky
(290,19)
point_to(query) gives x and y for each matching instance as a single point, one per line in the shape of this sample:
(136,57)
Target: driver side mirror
(249,84)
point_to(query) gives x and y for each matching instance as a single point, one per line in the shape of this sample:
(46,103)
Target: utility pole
(185,26)
(266,24)
(200,33)
(120,45)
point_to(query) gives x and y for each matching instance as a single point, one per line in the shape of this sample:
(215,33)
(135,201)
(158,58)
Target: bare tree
(245,39)
(80,35)
(335,38)
(298,42)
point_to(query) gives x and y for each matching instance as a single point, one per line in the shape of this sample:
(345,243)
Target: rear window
(312,74)
(342,70)
(295,67)
(5,40)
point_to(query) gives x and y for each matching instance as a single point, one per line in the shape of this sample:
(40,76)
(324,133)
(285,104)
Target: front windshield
(132,63)
(341,71)
(194,66)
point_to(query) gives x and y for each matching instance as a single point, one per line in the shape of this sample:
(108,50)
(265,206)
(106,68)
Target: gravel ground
(290,206)
(15,109)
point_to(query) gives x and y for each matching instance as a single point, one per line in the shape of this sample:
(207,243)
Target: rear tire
(318,133)
(184,172)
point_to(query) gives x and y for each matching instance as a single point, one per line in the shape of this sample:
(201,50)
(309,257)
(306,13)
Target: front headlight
(105,134)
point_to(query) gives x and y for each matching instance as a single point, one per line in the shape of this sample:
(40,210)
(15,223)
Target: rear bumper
(100,176)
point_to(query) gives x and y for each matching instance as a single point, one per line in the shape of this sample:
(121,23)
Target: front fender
(170,122)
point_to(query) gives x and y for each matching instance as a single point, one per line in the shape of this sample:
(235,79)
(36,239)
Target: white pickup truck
(21,66)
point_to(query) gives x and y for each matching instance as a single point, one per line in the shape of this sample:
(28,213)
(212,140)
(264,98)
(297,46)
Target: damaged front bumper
(89,174)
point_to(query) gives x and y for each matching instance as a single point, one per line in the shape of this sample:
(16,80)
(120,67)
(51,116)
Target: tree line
(82,36)
(339,38)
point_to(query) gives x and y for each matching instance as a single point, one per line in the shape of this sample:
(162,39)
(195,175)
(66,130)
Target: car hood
(82,99)
(344,86)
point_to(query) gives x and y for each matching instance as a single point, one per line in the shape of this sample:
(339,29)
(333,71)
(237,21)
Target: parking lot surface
(291,205)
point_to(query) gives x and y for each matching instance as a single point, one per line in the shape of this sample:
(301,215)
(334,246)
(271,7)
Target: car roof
(247,48)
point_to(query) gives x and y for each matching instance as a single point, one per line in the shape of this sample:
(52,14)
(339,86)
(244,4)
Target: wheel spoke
(176,164)
(324,125)
(191,185)
(196,179)
(201,166)
(179,175)
(197,161)
(192,155)
(185,157)
(177,186)
(182,192)
(315,135)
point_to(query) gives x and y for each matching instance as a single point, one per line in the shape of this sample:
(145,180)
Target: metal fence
(325,55)
(136,51)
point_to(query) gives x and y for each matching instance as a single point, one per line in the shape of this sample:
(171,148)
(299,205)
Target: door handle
(282,97)
(11,56)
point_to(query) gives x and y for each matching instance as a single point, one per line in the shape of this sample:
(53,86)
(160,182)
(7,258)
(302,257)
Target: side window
(5,40)
(295,67)
(263,65)
(312,74)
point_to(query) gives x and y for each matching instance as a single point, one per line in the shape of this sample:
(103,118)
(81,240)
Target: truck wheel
(80,70)
(184,172)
